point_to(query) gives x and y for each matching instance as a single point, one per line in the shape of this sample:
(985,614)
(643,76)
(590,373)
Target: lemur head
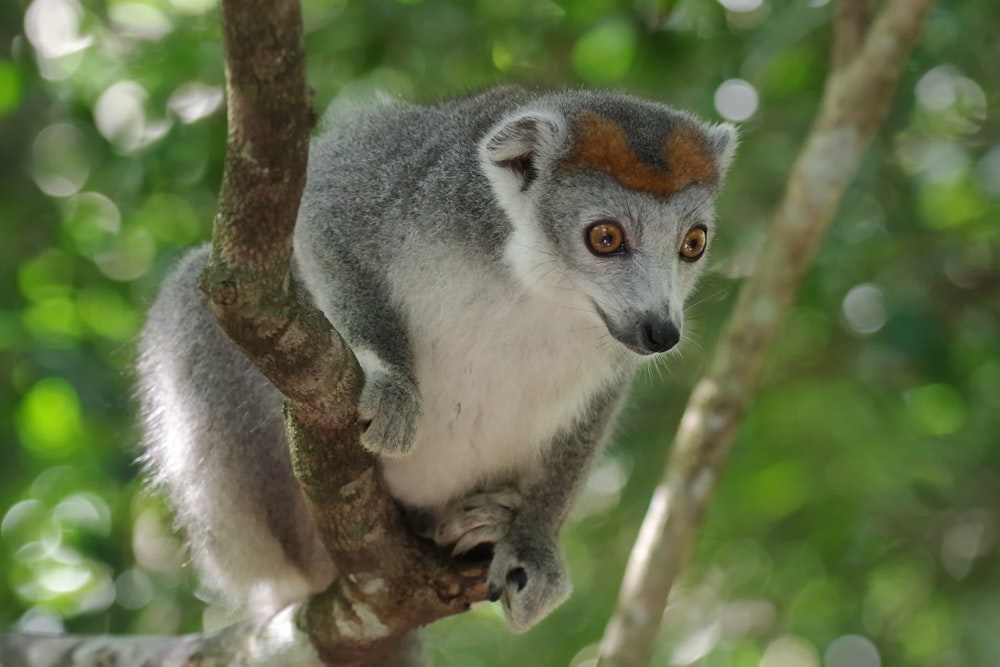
(611,201)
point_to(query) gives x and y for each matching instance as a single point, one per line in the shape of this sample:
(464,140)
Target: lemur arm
(528,573)
(549,499)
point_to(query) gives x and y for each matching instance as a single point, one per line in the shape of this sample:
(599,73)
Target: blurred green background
(857,523)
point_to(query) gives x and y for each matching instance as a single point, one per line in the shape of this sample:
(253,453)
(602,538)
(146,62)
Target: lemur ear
(722,141)
(520,142)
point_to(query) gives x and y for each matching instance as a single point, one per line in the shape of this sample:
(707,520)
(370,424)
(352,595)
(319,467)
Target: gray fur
(446,243)
(215,443)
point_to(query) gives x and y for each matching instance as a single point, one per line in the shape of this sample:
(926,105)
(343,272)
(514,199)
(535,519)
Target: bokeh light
(736,100)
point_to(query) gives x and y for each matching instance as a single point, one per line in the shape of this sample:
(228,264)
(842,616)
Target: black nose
(659,335)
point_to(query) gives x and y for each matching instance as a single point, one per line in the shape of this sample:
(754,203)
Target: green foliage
(858,516)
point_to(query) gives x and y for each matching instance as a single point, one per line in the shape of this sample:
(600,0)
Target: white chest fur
(500,373)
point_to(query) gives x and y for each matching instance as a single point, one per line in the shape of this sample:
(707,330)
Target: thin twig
(851,24)
(854,104)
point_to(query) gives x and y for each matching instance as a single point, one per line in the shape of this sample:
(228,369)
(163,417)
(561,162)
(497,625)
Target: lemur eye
(694,244)
(605,238)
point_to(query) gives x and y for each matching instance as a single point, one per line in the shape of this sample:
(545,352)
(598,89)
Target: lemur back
(500,265)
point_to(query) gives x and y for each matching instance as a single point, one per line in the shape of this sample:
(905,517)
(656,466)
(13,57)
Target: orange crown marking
(601,145)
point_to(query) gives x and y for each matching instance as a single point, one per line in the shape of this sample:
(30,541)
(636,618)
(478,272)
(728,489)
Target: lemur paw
(480,518)
(529,578)
(388,411)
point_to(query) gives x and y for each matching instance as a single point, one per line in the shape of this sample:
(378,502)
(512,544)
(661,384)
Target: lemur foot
(388,410)
(480,518)
(529,578)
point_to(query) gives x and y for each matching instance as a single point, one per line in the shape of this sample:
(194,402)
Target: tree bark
(390,582)
(867,61)
(254,643)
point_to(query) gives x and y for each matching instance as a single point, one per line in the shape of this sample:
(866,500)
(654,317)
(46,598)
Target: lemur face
(618,214)
(631,256)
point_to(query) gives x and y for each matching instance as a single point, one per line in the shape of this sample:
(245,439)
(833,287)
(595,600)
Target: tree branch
(390,582)
(254,643)
(850,27)
(249,285)
(857,95)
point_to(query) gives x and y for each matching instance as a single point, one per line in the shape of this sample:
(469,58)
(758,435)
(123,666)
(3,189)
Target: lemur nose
(659,335)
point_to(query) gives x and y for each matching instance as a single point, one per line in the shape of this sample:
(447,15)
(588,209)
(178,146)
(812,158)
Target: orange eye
(694,244)
(605,238)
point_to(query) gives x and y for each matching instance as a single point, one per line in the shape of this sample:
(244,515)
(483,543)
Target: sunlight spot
(60,160)
(40,620)
(53,27)
(140,21)
(133,589)
(988,171)
(86,511)
(864,310)
(790,651)
(736,100)
(23,515)
(64,578)
(192,6)
(957,102)
(851,651)
(971,537)
(741,5)
(697,645)
(128,256)
(194,100)
(935,90)
(119,113)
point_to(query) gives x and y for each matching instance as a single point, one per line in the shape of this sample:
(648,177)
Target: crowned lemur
(500,265)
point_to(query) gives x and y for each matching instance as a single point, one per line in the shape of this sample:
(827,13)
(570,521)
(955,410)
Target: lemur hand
(528,576)
(389,408)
